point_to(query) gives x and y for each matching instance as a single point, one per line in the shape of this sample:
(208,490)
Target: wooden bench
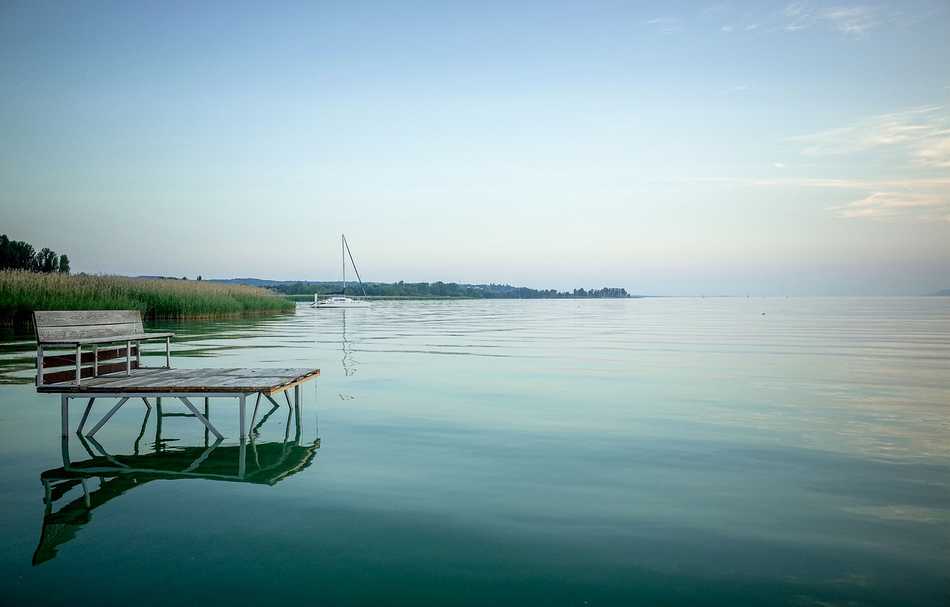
(96,374)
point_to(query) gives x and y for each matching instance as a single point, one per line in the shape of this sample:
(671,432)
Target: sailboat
(342,301)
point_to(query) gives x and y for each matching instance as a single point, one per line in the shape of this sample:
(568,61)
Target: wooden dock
(79,374)
(187,381)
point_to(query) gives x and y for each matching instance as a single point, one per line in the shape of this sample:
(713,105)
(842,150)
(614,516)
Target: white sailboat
(342,301)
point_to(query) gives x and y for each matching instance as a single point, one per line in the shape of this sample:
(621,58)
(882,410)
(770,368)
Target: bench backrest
(54,326)
(86,324)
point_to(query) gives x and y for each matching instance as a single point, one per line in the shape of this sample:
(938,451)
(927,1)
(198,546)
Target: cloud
(937,183)
(917,199)
(852,20)
(666,25)
(889,205)
(922,133)
(936,151)
(917,145)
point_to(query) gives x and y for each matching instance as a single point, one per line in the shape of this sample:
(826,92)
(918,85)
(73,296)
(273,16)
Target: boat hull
(339,302)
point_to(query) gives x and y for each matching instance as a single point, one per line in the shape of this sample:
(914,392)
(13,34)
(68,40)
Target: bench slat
(67,376)
(70,318)
(69,360)
(64,333)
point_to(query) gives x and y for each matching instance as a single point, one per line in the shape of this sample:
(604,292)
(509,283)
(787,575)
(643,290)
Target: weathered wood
(87,357)
(70,375)
(69,318)
(90,326)
(107,339)
(117,331)
(170,381)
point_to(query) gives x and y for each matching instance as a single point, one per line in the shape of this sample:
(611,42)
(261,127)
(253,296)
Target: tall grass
(23,292)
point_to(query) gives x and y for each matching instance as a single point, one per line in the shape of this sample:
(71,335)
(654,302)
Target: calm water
(655,452)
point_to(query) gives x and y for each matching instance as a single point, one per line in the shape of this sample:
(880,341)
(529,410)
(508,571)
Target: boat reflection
(104,476)
(349,363)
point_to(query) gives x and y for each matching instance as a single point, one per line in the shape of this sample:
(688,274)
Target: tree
(20,255)
(63,264)
(4,252)
(46,261)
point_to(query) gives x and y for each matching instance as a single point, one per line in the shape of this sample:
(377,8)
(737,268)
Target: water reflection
(349,363)
(105,476)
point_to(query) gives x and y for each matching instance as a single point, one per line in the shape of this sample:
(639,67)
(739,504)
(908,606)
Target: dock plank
(236,380)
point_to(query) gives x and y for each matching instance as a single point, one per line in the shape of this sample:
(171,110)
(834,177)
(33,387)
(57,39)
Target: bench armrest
(106,340)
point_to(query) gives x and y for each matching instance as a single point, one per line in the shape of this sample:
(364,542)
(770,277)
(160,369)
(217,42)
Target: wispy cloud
(918,199)
(920,133)
(666,25)
(935,152)
(887,205)
(854,20)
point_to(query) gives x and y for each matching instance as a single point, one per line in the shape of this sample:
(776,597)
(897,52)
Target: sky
(671,148)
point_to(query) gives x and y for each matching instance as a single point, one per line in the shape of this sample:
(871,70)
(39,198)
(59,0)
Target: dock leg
(158,422)
(64,413)
(242,406)
(242,455)
(297,412)
(85,415)
(208,417)
(64,445)
(108,416)
(254,414)
(201,418)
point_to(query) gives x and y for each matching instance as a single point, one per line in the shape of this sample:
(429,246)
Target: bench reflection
(104,476)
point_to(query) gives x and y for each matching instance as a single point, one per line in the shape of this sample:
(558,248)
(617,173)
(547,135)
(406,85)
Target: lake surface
(654,451)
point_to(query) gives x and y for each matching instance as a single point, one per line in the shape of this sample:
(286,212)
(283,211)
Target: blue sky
(676,148)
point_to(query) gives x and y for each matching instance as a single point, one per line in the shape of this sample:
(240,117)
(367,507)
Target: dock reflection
(105,476)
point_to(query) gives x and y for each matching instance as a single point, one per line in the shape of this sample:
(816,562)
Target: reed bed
(23,292)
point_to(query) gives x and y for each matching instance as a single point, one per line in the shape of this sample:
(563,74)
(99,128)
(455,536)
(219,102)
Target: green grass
(23,292)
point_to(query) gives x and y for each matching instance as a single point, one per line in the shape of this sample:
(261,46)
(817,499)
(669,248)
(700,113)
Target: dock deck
(187,381)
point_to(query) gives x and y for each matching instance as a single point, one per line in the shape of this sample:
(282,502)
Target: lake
(668,451)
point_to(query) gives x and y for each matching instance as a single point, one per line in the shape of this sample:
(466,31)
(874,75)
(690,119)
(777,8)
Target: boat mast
(343,259)
(346,245)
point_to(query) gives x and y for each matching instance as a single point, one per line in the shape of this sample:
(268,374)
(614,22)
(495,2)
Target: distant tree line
(20,255)
(442,289)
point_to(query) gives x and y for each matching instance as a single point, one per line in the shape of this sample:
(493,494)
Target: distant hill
(426,289)
(944,293)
